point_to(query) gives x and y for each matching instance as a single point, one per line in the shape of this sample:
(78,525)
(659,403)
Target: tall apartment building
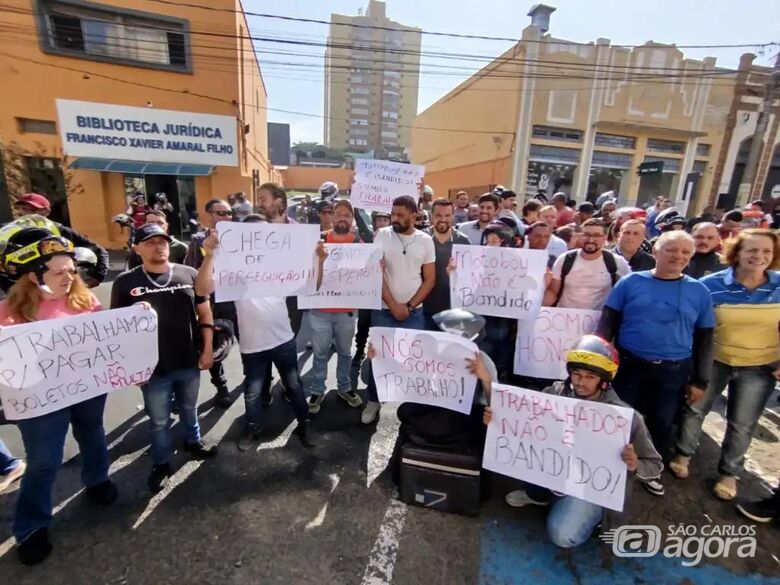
(371,80)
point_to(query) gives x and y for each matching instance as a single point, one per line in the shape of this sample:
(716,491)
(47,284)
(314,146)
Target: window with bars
(31,126)
(107,33)
(615,141)
(554,154)
(670,146)
(553,133)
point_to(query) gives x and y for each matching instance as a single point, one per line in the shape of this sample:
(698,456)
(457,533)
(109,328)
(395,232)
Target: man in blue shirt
(663,324)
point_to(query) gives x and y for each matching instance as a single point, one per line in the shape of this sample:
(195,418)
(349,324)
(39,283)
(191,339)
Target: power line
(383,48)
(430,33)
(232,102)
(449,70)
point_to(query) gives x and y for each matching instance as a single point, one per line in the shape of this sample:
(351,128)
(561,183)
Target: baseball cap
(150,230)
(34,200)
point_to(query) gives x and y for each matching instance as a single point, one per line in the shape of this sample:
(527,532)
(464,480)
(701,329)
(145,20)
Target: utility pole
(757,146)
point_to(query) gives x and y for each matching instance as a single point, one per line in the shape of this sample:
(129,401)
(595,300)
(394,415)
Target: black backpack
(571,256)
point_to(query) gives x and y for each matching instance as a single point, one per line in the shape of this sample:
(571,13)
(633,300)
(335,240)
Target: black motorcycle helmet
(592,353)
(223,339)
(29,249)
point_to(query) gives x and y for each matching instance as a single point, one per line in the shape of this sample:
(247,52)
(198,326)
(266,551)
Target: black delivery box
(442,480)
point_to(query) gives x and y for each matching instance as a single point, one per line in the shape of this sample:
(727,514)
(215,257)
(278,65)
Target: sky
(684,22)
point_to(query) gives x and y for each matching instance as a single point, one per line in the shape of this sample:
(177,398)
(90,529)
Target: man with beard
(409,277)
(217,210)
(705,260)
(444,236)
(334,326)
(488,208)
(582,279)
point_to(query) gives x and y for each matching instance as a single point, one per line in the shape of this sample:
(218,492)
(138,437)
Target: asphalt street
(284,514)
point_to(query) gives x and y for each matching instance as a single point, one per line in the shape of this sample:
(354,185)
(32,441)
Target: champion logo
(140,291)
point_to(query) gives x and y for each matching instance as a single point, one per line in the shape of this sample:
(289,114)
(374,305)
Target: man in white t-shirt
(266,337)
(409,277)
(583,279)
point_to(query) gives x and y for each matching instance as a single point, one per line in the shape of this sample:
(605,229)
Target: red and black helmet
(592,353)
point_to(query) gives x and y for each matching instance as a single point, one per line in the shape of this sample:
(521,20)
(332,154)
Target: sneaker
(158,479)
(352,398)
(519,498)
(35,548)
(222,397)
(15,474)
(762,511)
(315,403)
(370,412)
(303,432)
(201,450)
(249,437)
(267,399)
(679,466)
(654,486)
(104,493)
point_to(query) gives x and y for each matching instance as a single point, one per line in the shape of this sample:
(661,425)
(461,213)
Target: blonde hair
(733,246)
(25,296)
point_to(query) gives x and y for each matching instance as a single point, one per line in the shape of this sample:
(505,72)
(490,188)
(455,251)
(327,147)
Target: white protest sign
(542,343)
(378,182)
(49,365)
(257,260)
(501,282)
(351,279)
(423,367)
(565,444)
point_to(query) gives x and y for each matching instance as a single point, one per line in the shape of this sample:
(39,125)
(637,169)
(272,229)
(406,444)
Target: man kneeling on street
(591,364)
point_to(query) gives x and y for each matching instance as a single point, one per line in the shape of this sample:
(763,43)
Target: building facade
(371,82)
(104,100)
(750,96)
(554,115)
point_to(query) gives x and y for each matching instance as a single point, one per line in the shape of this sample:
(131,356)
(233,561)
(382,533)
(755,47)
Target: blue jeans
(158,393)
(285,358)
(571,521)
(749,389)
(656,390)
(326,328)
(7,460)
(44,443)
(384,318)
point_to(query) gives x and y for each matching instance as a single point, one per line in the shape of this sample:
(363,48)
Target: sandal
(726,487)
(679,466)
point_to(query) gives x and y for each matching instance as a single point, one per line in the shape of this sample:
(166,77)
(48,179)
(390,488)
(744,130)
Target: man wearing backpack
(583,278)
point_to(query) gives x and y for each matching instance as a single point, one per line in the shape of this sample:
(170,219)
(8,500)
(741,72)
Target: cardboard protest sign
(423,367)
(351,279)
(502,282)
(542,343)
(257,260)
(567,445)
(378,182)
(49,365)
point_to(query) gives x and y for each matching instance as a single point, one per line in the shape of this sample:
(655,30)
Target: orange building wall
(32,80)
(310,178)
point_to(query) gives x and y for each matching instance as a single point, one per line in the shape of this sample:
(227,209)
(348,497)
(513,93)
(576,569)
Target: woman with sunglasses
(48,286)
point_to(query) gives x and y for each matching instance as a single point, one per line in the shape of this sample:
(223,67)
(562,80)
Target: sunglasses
(222,213)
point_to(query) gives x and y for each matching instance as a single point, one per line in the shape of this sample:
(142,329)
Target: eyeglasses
(222,213)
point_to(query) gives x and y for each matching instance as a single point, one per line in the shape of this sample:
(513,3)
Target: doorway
(179,195)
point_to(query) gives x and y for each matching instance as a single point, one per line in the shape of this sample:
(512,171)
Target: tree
(42,171)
